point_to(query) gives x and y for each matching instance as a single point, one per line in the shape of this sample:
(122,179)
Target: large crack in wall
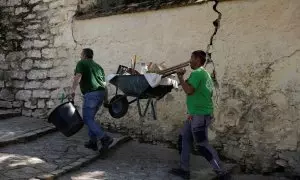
(216,24)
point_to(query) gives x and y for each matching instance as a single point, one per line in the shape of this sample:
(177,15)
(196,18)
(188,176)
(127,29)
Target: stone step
(83,161)
(5,114)
(48,157)
(23,129)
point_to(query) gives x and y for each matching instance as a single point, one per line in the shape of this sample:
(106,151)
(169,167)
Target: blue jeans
(196,128)
(92,103)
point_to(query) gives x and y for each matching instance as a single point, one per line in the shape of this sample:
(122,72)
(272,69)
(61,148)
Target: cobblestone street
(51,155)
(44,155)
(135,161)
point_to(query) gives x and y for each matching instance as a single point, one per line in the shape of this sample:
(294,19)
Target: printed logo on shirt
(209,84)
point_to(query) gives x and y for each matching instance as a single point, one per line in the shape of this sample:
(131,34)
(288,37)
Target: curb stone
(9,114)
(30,136)
(81,162)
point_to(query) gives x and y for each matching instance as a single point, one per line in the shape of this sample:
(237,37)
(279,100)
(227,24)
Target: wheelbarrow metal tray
(138,86)
(131,85)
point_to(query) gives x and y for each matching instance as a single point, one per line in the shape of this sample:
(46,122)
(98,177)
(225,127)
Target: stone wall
(255,50)
(32,59)
(258,61)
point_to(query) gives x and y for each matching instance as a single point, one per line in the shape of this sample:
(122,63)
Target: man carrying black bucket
(91,78)
(199,90)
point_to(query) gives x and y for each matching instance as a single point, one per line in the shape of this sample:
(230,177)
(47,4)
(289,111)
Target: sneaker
(106,142)
(91,145)
(181,173)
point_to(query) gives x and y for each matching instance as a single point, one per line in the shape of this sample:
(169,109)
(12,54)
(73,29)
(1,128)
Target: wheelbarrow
(135,86)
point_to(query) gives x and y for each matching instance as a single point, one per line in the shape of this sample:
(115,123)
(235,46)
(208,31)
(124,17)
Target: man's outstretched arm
(188,89)
(76,81)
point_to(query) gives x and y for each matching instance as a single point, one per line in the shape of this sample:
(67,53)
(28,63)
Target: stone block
(2,57)
(14,65)
(27,44)
(27,64)
(39,113)
(34,1)
(17,104)
(49,53)
(20,29)
(21,10)
(5,75)
(50,104)
(34,54)
(41,103)
(54,30)
(281,162)
(42,7)
(29,105)
(52,84)
(33,27)
(6,94)
(56,4)
(37,74)
(14,2)
(41,94)
(55,94)
(33,85)
(17,75)
(5,104)
(26,112)
(23,95)
(40,44)
(2,3)
(1,84)
(43,64)
(44,36)
(4,66)
(12,36)
(18,84)
(56,20)
(57,72)
(15,56)
(30,16)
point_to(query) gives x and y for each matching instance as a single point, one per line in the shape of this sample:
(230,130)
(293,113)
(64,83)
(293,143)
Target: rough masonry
(32,59)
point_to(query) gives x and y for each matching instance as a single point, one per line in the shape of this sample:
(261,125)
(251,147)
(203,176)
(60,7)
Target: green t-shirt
(200,102)
(93,77)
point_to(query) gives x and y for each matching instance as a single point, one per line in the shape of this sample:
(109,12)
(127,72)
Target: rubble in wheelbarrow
(150,71)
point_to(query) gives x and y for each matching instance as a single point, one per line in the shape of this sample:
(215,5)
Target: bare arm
(188,89)
(76,81)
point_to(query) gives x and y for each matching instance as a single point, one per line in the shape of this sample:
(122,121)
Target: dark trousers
(196,128)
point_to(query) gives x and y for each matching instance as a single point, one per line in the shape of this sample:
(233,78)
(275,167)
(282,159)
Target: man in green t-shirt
(91,78)
(199,90)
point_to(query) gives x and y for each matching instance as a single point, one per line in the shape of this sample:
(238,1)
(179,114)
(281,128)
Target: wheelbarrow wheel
(118,106)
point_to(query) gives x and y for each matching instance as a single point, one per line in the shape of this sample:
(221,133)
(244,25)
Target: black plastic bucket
(66,119)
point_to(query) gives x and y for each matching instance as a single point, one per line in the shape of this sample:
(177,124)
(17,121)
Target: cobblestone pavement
(134,161)
(48,153)
(14,127)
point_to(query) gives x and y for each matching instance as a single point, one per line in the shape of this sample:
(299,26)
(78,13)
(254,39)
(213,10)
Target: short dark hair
(200,54)
(88,53)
